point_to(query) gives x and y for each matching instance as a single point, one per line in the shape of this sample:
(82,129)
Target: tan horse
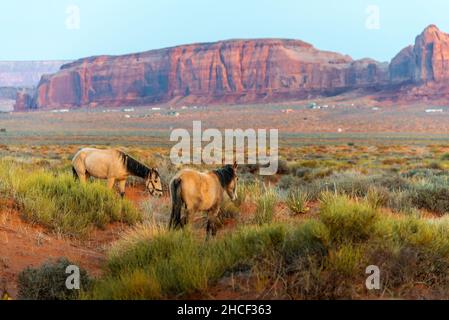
(201,192)
(114,165)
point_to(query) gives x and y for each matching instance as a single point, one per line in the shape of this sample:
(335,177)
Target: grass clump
(63,204)
(347,220)
(151,263)
(266,205)
(297,201)
(322,258)
(48,282)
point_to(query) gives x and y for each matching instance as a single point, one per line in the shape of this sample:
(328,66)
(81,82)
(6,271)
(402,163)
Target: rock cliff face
(234,71)
(243,71)
(426,61)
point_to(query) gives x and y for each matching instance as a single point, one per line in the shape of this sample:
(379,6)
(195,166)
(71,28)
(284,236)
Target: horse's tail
(75,173)
(177,203)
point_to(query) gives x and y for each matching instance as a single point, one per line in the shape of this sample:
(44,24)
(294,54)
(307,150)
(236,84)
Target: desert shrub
(389,181)
(393,161)
(345,260)
(241,194)
(153,263)
(310,164)
(348,220)
(312,237)
(305,259)
(431,194)
(378,197)
(65,205)
(289,182)
(350,183)
(444,157)
(302,172)
(166,171)
(229,210)
(48,282)
(319,174)
(400,201)
(283,167)
(266,205)
(355,184)
(421,173)
(297,201)
(435,166)
(254,190)
(61,203)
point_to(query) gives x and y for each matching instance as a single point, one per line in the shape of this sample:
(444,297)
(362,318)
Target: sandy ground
(24,245)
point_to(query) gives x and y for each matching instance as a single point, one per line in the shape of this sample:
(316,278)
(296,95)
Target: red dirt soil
(24,245)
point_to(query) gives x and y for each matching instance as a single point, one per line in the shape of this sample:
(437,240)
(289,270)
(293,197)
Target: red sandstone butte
(236,71)
(245,71)
(427,60)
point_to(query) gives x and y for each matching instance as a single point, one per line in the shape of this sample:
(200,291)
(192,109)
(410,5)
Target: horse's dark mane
(225,175)
(134,167)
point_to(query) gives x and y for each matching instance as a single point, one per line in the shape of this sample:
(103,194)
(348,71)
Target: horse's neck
(137,169)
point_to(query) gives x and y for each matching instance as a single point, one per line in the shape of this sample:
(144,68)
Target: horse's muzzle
(156,193)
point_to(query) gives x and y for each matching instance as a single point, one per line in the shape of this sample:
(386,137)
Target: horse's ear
(235,165)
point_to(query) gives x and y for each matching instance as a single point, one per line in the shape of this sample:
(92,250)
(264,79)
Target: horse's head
(231,188)
(154,183)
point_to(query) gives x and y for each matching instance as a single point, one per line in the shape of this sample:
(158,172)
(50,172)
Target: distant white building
(129,110)
(434,110)
(156,109)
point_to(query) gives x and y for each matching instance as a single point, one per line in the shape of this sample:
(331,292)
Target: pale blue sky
(36,30)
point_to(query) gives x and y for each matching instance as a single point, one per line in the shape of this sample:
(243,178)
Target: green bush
(48,282)
(400,201)
(431,194)
(154,263)
(355,184)
(347,220)
(288,182)
(63,204)
(378,197)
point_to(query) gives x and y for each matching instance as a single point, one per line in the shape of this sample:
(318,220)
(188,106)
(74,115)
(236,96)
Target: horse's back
(199,188)
(99,162)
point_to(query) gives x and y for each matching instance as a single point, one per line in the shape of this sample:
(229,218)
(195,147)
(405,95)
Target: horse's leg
(212,221)
(83,178)
(111,182)
(122,187)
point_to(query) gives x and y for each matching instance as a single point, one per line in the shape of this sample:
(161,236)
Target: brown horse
(201,192)
(114,165)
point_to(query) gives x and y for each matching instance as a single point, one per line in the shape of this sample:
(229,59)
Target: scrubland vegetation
(56,200)
(309,233)
(322,258)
